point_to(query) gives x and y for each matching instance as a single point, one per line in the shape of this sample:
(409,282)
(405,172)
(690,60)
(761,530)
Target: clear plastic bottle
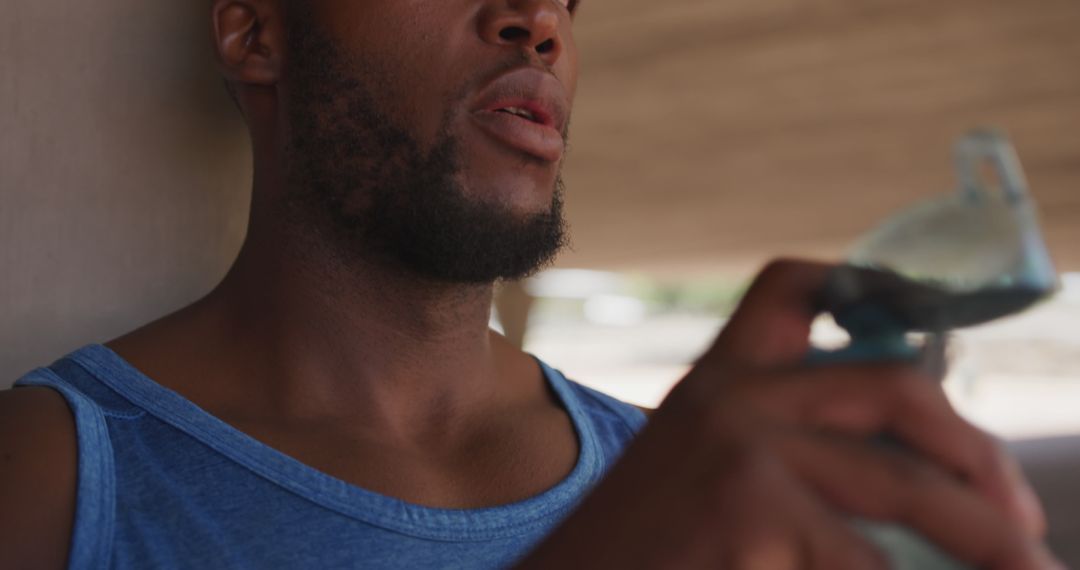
(961,260)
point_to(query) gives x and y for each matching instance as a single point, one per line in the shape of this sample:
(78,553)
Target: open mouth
(523,129)
(525,110)
(534,113)
(521,112)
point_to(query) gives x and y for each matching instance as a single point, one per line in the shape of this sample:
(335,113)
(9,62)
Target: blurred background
(708,137)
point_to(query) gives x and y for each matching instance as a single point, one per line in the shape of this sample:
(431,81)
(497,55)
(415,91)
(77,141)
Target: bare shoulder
(38,475)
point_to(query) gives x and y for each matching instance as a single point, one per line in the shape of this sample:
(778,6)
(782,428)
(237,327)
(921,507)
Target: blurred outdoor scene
(635,337)
(710,137)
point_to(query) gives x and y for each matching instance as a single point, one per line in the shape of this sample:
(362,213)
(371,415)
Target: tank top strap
(95,499)
(83,369)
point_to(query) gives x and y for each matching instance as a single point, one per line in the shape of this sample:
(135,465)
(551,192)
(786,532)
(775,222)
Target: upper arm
(38,478)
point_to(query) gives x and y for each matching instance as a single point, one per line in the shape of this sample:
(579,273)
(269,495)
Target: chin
(498,174)
(522,190)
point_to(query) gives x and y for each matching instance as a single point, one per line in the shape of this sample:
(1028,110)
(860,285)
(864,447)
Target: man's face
(432,131)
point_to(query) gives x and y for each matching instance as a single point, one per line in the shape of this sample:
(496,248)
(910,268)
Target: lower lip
(519,133)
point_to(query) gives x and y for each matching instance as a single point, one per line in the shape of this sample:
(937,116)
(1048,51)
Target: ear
(249,37)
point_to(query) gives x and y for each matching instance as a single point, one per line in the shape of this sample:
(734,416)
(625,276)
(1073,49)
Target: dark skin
(393,382)
(381,379)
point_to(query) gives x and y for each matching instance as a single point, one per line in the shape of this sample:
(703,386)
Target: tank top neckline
(518,518)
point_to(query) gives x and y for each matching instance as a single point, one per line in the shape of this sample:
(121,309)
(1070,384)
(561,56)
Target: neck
(355,330)
(298,330)
(365,336)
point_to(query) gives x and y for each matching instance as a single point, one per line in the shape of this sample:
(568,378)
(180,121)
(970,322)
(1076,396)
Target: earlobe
(247,37)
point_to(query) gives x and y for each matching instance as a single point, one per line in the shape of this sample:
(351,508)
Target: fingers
(773,522)
(869,400)
(1029,505)
(887,484)
(949,479)
(772,324)
(831,542)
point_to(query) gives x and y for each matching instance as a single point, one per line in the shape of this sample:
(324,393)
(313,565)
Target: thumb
(771,326)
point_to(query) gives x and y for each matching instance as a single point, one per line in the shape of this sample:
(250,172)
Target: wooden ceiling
(709,135)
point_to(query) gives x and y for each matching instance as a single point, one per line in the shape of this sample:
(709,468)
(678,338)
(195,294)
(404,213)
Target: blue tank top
(163,484)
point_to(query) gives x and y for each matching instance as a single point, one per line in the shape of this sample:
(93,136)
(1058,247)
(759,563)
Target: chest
(510,459)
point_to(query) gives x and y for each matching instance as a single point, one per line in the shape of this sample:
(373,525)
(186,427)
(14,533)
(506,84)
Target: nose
(529,24)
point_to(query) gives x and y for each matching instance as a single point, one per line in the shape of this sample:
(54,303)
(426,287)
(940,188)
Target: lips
(525,110)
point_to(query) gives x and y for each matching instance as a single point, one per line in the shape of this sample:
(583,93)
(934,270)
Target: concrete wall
(123,171)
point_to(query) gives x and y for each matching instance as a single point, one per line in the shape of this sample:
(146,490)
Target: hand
(756,461)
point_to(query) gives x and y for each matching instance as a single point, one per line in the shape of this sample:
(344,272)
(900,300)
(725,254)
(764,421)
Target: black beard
(364,185)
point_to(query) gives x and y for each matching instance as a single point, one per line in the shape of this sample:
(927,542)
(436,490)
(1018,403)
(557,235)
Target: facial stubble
(365,184)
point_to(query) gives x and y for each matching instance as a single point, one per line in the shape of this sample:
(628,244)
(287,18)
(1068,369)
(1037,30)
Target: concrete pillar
(124,171)
(514,303)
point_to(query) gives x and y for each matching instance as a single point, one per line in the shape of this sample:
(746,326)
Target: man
(338,400)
